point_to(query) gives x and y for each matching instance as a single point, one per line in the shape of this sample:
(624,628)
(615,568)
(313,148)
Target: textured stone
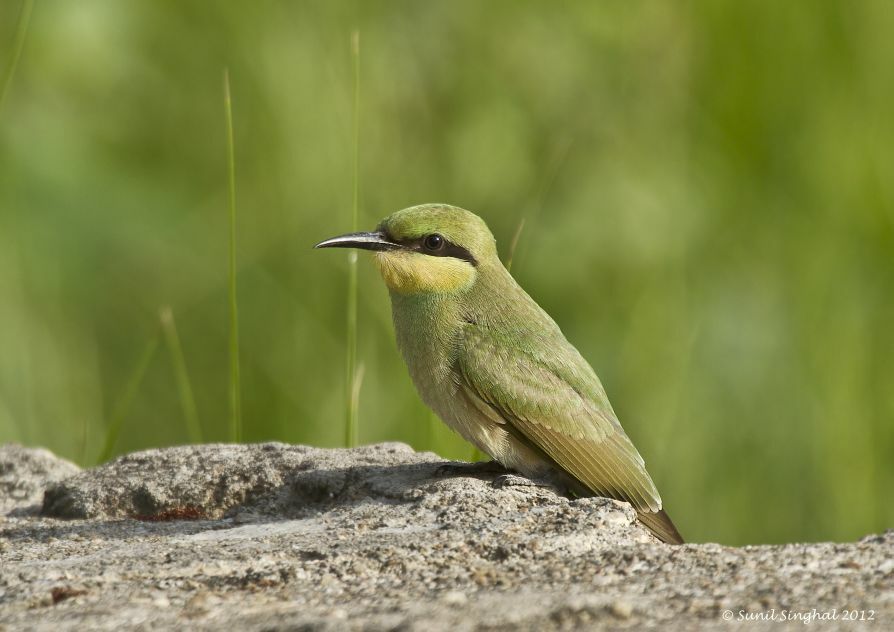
(24,474)
(289,537)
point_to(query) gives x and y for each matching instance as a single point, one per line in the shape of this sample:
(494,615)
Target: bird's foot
(461,468)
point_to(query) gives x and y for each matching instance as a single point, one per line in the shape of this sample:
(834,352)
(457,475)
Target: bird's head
(432,248)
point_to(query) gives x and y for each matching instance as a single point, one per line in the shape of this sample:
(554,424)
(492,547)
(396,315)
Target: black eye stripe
(447,249)
(455,251)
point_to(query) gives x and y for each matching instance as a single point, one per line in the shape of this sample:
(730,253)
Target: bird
(495,367)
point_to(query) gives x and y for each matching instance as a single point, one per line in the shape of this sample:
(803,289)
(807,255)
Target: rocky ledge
(274,536)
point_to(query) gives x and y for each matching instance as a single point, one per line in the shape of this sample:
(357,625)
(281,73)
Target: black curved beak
(364,241)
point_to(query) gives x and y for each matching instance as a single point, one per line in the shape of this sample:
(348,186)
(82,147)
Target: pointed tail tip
(660,524)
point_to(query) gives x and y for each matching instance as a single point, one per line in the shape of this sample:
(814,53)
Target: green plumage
(495,367)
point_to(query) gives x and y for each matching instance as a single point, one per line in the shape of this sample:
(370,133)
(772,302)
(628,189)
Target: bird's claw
(462,468)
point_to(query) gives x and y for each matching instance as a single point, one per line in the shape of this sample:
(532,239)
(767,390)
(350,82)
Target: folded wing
(560,406)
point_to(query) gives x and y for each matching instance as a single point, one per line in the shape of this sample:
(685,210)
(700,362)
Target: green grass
(513,245)
(353,376)
(125,402)
(235,386)
(17,47)
(181,375)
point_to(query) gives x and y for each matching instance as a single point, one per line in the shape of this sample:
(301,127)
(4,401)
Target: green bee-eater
(495,367)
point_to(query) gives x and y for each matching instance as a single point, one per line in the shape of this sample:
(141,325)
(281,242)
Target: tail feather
(660,524)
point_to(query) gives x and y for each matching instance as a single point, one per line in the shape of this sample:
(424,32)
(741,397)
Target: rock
(381,537)
(201,481)
(621,609)
(25,473)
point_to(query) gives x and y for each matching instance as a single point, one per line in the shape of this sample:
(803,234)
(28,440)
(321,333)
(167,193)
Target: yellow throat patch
(412,272)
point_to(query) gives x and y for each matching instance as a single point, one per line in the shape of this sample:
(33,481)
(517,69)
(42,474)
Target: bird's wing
(560,406)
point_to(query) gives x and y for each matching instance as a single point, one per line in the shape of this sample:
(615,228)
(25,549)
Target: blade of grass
(351,426)
(24,368)
(235,390)
(552,172)
(82,451)
(514,244)
(178,364)
(17,47)
(355,392)
(127,397)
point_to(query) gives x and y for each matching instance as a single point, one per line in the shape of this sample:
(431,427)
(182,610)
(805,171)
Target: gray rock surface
(289,537)
(25,473)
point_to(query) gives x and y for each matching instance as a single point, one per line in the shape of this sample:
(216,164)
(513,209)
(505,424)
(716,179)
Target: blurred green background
(706,187)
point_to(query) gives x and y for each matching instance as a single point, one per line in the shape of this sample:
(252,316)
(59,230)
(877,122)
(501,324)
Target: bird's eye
(433,242)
